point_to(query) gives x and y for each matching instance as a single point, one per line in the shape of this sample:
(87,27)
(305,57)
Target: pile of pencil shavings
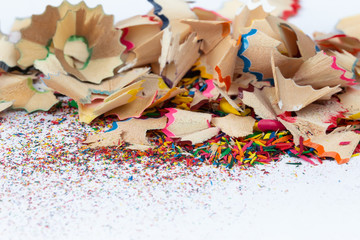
(233,87)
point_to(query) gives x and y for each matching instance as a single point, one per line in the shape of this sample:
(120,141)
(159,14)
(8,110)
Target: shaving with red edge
(237,87)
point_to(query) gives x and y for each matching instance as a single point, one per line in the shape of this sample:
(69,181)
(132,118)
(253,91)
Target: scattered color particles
(174,86)
(60,144)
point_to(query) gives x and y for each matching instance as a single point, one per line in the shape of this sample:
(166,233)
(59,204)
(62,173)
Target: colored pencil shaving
(239,86)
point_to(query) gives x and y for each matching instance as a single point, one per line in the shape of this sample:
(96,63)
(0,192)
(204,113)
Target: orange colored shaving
(282,139)
(226,80)
(322,153)
(226,29)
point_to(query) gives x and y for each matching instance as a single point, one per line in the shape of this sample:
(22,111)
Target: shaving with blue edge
(192,85)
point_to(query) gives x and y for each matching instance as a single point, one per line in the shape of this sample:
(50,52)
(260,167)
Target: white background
(315,15)
(290,202)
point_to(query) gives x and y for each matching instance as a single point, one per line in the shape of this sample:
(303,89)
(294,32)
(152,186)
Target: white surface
(290,202)
(323,15)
